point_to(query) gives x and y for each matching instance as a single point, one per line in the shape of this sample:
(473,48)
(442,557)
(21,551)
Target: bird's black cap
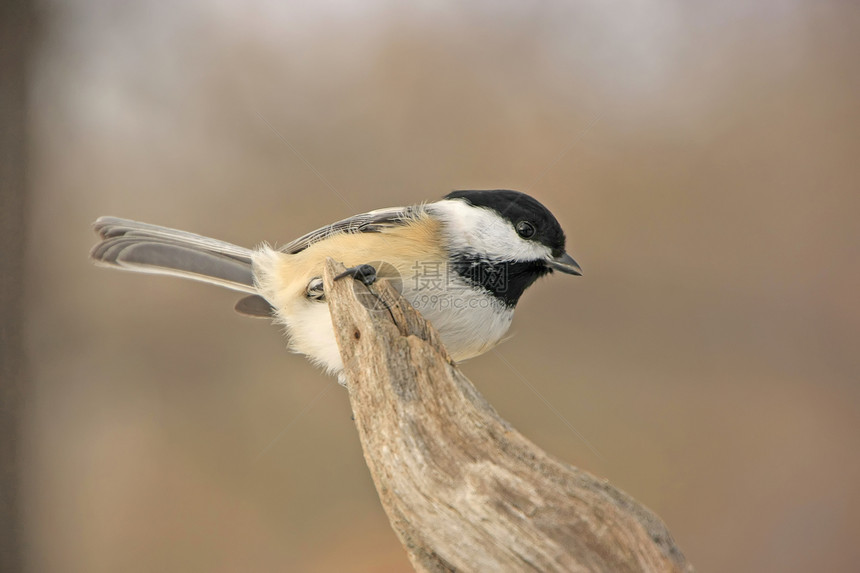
(515,207)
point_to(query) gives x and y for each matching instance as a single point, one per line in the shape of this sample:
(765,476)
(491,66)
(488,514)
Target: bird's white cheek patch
(483,232)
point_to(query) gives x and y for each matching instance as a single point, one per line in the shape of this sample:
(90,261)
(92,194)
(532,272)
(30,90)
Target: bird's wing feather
(371,222)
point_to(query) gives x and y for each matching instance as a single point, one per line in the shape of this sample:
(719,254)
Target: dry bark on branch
(464,491)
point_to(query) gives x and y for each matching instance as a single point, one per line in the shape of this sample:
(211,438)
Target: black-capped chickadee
(463,262)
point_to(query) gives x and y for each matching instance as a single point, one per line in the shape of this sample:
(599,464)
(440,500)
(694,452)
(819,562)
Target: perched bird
(463,262)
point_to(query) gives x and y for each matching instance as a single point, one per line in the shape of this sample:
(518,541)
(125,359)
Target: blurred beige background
(702,156)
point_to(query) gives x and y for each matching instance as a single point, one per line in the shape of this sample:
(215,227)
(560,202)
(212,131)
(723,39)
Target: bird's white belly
(469,322)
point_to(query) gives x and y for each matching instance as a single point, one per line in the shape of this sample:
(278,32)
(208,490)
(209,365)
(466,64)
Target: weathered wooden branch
(464,491)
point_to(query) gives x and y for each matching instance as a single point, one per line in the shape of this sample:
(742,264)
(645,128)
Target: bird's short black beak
(565,264)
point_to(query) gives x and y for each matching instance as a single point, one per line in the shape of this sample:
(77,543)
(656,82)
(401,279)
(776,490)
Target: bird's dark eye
(525,229)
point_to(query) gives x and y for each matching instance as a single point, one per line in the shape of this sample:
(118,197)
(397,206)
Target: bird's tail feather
(145,248)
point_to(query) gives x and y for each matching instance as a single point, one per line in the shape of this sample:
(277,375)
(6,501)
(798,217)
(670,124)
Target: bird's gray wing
(371,222)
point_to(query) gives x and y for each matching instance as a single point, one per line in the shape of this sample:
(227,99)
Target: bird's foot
(366,274)
(315,289)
